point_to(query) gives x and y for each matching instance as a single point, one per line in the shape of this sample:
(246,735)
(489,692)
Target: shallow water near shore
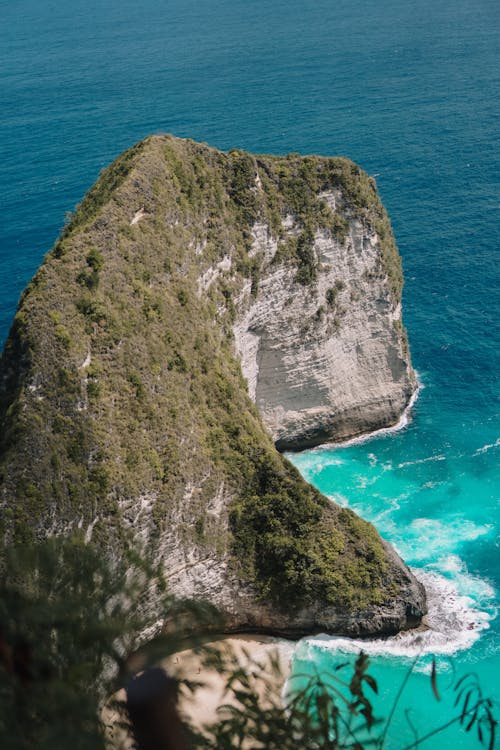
(410,92)
(431,491)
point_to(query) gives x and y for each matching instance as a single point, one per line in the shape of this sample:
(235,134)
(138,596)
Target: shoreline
(256,652)
(402,422)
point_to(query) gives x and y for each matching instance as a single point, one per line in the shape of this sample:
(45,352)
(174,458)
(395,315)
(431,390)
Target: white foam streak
(431,540)
(487,447)
(421,461)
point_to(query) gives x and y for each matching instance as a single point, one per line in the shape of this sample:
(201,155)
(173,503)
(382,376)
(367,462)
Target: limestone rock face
(329,361)
(201,309)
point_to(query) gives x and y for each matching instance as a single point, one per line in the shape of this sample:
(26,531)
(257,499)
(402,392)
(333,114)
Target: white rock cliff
(328,361)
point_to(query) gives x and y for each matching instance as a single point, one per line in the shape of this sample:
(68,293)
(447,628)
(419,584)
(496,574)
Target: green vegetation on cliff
(122,403)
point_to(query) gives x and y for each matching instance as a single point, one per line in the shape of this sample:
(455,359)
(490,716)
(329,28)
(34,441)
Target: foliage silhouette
(75,628)
(329,712)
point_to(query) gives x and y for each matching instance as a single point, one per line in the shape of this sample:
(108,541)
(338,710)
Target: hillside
(199,308)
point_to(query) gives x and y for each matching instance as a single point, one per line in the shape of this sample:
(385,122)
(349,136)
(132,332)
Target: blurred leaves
(434,680)
(74,628)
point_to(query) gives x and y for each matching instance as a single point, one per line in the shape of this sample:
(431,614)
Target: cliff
(199,308)
(325,360)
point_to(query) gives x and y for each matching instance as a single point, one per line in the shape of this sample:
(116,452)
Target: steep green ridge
(119,382)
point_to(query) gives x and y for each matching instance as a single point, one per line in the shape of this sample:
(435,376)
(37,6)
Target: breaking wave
(459,610)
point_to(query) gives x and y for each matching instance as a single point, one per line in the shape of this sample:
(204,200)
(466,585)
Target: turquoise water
(407,89)
(431,491)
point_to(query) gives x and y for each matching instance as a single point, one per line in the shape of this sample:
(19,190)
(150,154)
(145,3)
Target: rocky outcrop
(189,283)
(235,599)
(330,361)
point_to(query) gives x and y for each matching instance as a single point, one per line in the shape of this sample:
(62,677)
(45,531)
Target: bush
(95,260)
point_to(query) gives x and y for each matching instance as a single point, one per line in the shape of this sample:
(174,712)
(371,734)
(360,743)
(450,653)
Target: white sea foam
(363,481)
(421,461)
(426,540)
(486,448)
(314,460)
(459,610)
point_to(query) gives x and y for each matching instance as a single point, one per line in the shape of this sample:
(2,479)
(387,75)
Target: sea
(409,89)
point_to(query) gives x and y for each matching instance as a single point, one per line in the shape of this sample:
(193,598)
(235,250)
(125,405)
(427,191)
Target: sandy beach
(265,659)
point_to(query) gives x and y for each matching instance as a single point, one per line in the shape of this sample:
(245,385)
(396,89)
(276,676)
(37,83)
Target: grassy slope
(163,403)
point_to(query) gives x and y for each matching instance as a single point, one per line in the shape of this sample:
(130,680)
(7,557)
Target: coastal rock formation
(200,308)
(329,360)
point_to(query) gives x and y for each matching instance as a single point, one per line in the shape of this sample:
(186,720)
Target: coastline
(253,652)
(402,422)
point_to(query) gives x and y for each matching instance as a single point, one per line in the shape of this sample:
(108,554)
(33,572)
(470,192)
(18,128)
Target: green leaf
(371,682)
(434,680)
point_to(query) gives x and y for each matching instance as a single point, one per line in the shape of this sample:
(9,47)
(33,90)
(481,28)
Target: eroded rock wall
(327,361)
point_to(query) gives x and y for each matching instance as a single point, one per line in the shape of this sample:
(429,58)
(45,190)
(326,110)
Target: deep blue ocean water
(409,90)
